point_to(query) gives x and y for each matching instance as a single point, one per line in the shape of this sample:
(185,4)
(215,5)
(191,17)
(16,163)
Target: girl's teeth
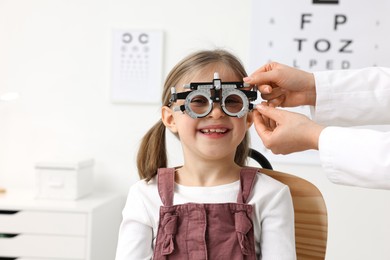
(213,130)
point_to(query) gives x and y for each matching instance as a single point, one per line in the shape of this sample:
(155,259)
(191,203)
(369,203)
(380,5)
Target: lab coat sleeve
(350,156)
(277,240)
(353,97)
(135,233)
(356,157)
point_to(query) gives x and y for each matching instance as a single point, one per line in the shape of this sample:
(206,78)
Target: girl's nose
(217,111)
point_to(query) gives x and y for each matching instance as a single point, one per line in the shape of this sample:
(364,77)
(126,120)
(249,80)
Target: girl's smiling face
(215,136)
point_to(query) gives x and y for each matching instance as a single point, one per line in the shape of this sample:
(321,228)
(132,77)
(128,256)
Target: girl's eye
(199,101)
(234,104)
(233,100)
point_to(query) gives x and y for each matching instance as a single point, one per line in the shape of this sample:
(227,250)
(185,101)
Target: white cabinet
(35,229)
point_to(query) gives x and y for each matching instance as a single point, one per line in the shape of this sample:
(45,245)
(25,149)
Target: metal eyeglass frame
(205,89)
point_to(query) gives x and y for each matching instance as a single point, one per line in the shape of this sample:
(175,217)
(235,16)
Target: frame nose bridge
(216,95)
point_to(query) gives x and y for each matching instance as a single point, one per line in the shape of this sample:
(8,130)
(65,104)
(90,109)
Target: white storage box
(64,180)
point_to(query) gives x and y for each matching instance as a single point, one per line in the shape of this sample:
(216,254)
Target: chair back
(311,218)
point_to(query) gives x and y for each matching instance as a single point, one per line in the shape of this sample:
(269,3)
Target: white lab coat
(350,156)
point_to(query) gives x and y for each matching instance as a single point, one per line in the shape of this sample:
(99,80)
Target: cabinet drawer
(41,246)
(42,222)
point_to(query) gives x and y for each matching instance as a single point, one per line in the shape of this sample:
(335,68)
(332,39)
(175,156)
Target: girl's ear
(249,119)
(168,119)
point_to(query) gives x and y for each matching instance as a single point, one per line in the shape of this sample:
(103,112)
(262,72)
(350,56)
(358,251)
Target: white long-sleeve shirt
(350,156)
(273,218)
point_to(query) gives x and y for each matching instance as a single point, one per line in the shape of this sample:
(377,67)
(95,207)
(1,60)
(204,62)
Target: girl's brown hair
(152,152)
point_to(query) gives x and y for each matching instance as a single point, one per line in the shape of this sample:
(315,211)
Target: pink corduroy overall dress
(205,231)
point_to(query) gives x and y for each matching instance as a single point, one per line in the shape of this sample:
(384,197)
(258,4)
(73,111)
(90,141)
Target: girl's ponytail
(152,152)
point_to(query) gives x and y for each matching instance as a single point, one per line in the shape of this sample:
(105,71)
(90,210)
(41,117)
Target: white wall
(56,54)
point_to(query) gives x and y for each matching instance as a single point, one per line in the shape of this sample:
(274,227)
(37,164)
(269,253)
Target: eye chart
(136,66)
(318,35)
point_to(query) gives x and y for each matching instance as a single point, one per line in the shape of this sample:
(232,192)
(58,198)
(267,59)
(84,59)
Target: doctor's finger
(275,102)
(265,75)
(270,112)
(275,92)
(265,89)
(260,126)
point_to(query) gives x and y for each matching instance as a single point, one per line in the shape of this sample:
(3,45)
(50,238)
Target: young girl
(211,207)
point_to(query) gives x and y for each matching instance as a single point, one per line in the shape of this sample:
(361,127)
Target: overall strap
(247,179)
(166,185)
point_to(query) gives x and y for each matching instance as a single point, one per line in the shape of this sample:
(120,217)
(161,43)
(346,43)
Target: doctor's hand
(293,132)
(284,86)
